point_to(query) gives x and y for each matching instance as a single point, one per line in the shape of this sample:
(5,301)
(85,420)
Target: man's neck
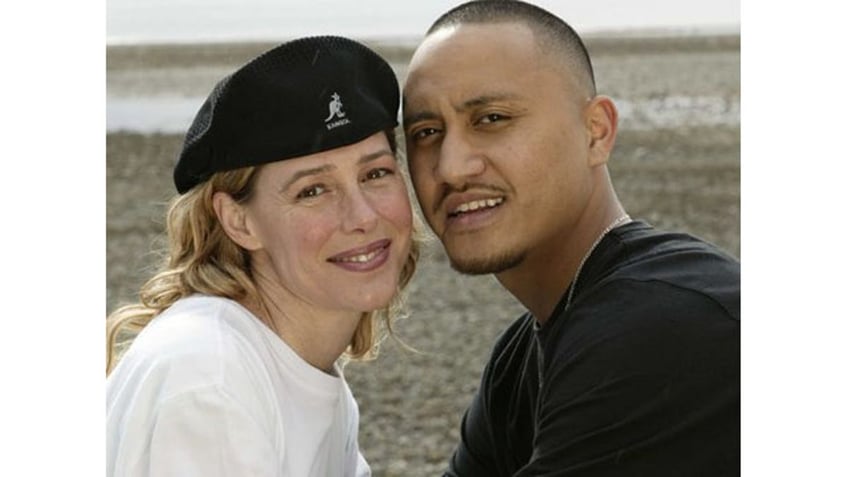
(540,281)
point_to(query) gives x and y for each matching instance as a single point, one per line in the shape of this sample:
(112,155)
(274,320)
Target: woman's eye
(377,173)
(311,191)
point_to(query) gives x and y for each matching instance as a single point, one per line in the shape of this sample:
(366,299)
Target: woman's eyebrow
(305,173)
(374,156)
(312,171)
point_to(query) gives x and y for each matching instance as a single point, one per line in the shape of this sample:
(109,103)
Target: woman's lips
(363,259)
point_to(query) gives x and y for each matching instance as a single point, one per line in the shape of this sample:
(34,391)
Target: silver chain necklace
(615,223)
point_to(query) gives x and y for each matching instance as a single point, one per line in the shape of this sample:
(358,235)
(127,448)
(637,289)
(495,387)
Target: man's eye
(424,132)
(492,118)
(311,191)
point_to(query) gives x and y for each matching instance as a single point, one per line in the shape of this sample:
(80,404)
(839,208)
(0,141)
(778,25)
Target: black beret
(304,96)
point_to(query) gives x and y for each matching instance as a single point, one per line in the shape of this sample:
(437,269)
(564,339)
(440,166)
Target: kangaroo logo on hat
(335,108)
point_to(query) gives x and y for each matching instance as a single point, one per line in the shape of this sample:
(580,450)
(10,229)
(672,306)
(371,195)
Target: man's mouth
(475,205)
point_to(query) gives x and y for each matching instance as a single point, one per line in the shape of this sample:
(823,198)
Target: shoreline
(414,39)
(188,54)
(657,82)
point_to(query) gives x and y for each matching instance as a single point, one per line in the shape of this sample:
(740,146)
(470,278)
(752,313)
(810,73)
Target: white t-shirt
(206,389)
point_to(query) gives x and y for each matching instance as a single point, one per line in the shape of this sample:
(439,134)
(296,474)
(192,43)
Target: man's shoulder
(649,289)
(633,327)
(642,242)
(663,262)
(645,302)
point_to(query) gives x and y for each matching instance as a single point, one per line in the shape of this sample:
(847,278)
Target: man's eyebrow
(475,102)
(485,99)
(420,116)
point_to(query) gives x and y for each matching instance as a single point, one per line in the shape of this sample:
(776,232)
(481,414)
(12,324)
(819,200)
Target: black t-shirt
(638,377)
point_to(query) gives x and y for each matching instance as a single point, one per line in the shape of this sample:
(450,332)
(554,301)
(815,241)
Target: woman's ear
(234,221)
(602,125)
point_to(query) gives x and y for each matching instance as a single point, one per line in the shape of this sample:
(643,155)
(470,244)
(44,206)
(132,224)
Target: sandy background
(676,165)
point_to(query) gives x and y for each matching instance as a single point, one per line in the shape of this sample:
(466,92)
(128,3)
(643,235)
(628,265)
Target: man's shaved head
(555,37)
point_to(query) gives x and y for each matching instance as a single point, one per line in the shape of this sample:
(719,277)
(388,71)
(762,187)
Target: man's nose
(459,160)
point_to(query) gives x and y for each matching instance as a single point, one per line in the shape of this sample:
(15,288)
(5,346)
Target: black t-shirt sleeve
(475,453)
(642,378)
(492,442)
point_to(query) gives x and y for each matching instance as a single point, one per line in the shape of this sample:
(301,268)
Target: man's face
(497,144)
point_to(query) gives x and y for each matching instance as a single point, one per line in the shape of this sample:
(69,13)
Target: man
(627,361)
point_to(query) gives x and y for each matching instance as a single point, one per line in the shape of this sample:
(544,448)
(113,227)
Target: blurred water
(173,114)
(154,114)
(679,82)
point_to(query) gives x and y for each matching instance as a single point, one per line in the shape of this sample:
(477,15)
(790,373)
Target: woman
(289,244)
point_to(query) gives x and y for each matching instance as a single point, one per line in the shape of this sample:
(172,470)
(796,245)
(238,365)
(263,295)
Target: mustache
(470,186)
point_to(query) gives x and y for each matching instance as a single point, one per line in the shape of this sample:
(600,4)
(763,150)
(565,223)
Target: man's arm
(475,453)
(493,439)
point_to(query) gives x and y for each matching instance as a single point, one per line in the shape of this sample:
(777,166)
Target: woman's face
(333,228)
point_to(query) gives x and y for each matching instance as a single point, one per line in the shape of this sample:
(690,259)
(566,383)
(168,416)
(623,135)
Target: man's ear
(602,126)
(234,221)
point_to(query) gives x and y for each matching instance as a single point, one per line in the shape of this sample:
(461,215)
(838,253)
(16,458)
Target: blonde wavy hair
(201,258)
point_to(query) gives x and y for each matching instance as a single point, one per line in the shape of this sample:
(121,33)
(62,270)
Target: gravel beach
(676,165)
